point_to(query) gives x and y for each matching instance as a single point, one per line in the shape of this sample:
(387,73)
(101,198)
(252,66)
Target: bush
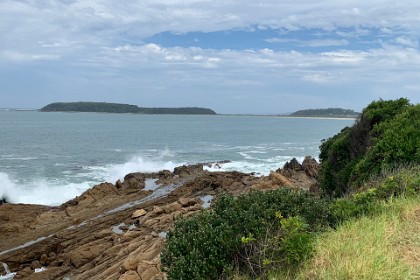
(386,133)
(405,182)
(212,244)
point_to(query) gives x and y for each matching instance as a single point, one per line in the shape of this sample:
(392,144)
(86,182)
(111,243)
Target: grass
(383,246)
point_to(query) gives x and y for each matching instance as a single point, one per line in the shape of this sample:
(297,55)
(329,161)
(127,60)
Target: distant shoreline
(225,115)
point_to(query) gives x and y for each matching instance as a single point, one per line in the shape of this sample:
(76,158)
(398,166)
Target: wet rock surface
(116,231)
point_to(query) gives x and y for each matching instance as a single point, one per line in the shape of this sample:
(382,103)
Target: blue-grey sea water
(48,158)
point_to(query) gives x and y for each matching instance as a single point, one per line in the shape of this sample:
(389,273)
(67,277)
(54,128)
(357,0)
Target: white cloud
(25,57)
(309,43)
(99,47)
(405,41)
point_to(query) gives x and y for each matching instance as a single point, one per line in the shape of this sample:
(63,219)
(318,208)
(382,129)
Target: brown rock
(137,176)
(147,271)
(131,263)
(310,166)
(293,165)
(186,170)
(186,201)
(279,179)
(86,253)
(35,264)
(43,260)
(138,213)
(175,206)
(130,275)
(23,273)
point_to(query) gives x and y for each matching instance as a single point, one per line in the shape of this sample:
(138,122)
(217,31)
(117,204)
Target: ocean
(49,158)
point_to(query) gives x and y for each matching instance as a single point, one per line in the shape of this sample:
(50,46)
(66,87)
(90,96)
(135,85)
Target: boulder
(43,260)
(187,201)
(174,206)
(293,165)
(139,176)
(279,179)
(186,170)
(311,166)
(86,253)
(138,213)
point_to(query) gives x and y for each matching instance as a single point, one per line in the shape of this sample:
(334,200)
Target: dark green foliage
(369,145)
(103,107)
(297,240)
(90,107)
(330,112)
(403,183)
(399,142)
(210,244)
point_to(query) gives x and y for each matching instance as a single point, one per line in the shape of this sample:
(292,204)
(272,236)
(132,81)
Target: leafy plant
(214,242)
(386,133)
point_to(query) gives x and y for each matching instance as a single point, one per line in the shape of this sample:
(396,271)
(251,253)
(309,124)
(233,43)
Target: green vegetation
(370,179)
(384,246)
(239,231)
(102,107)
(326,113)
(387,134)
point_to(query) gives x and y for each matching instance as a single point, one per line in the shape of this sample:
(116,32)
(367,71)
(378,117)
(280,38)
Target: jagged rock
(118,184)
(185,170)
(311,166)
(164,174)
(78,239)
(139,176)
(293,165)
(279,179)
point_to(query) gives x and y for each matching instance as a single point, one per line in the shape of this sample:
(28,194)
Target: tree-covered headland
(103,107)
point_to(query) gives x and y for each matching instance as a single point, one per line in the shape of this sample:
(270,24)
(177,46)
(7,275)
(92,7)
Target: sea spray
(9,275)
(43,192)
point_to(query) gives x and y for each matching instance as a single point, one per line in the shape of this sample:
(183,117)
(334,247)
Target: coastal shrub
(211,243)
(288,242)
(399,142)
(351,156)
(405,182)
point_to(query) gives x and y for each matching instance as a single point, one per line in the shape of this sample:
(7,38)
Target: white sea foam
(113,172)
(257,167)
(40,191)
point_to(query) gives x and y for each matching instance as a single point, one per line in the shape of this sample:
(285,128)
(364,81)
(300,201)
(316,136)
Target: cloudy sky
(234,56)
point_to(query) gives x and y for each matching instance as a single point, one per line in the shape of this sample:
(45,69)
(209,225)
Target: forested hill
(326,113)
(103,107)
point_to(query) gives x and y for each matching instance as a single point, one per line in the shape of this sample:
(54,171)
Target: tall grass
(386,246)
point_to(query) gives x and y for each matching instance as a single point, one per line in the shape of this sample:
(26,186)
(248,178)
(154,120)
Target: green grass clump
(386,246)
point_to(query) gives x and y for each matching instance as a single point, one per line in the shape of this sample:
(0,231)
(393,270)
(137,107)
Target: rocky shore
(116,231)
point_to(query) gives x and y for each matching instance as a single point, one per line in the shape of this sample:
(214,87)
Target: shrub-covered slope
(386,134)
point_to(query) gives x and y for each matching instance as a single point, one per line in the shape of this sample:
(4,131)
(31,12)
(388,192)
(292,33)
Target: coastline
(112,230)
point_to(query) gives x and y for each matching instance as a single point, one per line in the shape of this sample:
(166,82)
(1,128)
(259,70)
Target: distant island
(103,107)
(326,113)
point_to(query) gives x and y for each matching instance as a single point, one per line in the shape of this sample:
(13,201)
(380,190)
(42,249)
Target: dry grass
(382,247)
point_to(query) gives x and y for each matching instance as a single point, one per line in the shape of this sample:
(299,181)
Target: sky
(233,56)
